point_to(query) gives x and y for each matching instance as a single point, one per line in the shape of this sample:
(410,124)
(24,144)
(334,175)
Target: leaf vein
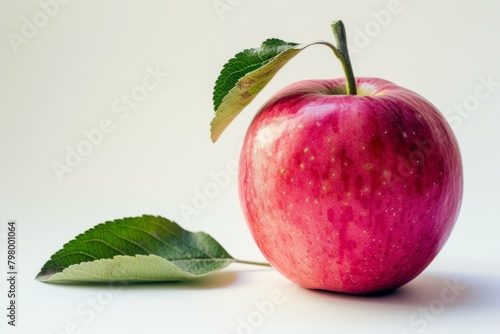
(74,253)
(104,243)
(179,250)
(129,240)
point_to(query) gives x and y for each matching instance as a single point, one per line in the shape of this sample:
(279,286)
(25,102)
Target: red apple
(350,193)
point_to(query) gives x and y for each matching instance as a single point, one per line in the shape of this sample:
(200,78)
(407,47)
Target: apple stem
(264,264)
(342,54)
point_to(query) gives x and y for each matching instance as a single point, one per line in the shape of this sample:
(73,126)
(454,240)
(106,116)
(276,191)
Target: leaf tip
(214,133)
(42,277)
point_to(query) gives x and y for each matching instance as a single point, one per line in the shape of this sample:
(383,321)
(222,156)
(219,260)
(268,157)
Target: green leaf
(245,75)
(146,248)
(245,62)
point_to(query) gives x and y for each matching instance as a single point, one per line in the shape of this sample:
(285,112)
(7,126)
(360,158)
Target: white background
(66,74)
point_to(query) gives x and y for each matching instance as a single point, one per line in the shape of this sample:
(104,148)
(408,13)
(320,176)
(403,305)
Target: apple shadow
(456,291)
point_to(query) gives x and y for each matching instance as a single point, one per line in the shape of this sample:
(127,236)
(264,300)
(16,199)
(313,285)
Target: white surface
(65,79)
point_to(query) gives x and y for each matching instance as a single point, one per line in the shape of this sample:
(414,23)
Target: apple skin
(350,193)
